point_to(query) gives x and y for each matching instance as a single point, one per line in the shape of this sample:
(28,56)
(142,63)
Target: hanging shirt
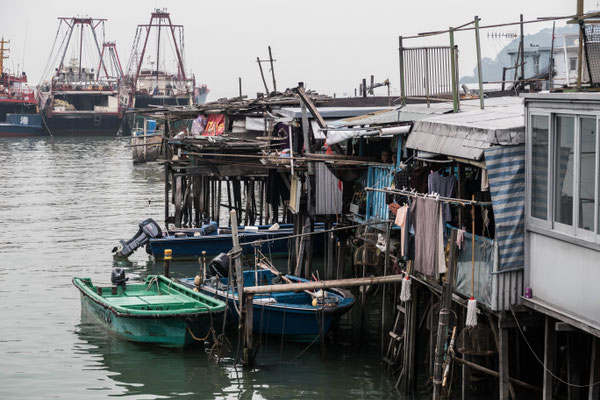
(401,222)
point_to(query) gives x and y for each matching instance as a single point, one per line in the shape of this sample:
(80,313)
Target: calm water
(64,203)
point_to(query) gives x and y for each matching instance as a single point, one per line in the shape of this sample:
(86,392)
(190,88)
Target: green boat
(157,311)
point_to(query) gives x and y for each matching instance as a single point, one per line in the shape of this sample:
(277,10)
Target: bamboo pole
(335,283)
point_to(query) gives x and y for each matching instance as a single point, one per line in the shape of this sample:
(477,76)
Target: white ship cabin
(82,92)
(153,83)
(563,208)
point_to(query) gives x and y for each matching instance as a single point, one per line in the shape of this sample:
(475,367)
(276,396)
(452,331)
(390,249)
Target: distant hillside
(492,69)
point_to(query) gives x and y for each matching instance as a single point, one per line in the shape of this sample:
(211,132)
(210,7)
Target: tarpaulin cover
(215,125)
(506,173)
(484,266)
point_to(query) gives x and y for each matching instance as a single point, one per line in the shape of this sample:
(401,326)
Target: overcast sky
(330,45)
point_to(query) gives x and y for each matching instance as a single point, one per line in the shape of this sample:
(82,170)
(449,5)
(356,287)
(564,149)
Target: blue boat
(288,314)
(21,125)
(188,244)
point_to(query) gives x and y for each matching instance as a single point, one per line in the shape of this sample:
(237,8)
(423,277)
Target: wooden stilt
(594,390)
(178,201)
(503,361)
(549,358)
(218,201)
(411,343)
(309,228)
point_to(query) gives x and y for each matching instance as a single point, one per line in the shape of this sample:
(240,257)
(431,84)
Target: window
(564,173)
(587,172)
(539,166)
(536,65)
(573,64)
(564,166)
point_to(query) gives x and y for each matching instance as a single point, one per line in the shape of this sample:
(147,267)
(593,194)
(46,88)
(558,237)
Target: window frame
(589,235)
(549,223)
(542,223)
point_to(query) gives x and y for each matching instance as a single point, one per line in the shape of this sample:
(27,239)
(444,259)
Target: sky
(329,45)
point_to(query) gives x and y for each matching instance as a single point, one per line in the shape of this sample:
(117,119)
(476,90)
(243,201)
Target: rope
(152,282)
(542,363)
(200,339)
(307,347)
(319,232)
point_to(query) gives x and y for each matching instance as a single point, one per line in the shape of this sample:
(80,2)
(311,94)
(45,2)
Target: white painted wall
(565,275)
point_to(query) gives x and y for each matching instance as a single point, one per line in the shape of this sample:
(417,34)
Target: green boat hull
(169,319)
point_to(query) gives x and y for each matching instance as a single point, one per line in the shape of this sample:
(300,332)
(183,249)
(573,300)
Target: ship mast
(2,56)
(160,16)
(72,23)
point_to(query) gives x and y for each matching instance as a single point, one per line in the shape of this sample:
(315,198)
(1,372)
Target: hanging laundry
(485,182)
(401,222)
(425,214)
(444,186)
(418,180)
(402,179)
(460,238)
(441,262)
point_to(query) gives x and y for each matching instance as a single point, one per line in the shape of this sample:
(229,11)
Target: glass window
(587,172)
(539,176)
(572,63)
(564,165)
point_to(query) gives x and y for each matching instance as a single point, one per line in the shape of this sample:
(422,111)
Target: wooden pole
(455,93)
(327,284)
(551,62)
(580,49)
(443,320)
(479,70)
(240,85)
(549,352)
(522,48)
(494,373)
(272,70)
(401,62)
(503,354)
(262,75)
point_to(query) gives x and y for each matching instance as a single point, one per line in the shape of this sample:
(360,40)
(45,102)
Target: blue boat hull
(286,314)
(191,247)
(21,125)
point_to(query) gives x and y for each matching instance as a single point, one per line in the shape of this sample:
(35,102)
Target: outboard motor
(219,266)
(149,229)
(117,277)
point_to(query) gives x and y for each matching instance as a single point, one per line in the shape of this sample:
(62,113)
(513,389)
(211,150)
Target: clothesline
(436,197)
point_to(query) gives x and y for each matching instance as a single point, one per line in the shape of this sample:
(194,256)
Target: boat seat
(128,301)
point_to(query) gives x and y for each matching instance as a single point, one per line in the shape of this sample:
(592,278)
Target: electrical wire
(542,363)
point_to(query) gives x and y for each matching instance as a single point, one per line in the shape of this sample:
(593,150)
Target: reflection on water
(64,204)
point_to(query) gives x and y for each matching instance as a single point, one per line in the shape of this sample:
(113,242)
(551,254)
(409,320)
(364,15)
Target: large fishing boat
(18,107)
(78,100)
(153,83)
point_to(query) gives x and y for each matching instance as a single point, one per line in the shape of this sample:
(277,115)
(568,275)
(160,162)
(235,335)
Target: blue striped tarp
(506,174)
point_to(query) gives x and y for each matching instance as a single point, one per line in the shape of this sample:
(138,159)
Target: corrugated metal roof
(469,132)
(330,112)
(408,113)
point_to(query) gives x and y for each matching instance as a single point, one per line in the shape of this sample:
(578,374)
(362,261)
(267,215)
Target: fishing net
(477,341)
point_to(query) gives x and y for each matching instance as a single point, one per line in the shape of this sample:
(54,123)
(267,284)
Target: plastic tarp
(506,174)
(484,266)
